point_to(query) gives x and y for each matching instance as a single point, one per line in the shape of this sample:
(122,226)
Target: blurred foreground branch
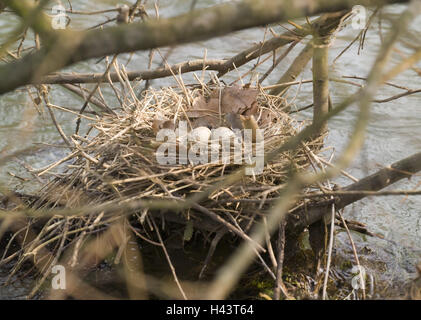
(64,48)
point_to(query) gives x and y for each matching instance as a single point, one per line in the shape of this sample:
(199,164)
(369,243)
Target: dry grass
(116,164)
(119,161)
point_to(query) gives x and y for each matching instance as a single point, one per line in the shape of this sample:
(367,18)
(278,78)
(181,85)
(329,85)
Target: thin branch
(69,46)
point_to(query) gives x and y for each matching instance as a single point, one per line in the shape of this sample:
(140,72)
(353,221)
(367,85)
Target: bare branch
(65,48)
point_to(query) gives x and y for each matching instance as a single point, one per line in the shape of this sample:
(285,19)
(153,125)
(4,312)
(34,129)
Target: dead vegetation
(116,164)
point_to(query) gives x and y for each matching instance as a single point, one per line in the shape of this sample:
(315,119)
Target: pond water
(394,131)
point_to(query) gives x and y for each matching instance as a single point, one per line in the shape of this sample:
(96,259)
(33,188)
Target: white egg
(222,132)
(200,134)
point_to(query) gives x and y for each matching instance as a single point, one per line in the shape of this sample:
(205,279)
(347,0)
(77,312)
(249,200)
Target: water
(393,132)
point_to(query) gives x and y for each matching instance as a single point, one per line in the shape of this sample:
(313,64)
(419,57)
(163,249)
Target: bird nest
(115,176)
(118,160)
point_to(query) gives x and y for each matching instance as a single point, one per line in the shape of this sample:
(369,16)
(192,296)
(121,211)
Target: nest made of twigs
(118,161)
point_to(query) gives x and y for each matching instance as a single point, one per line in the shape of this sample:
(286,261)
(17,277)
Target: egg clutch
(223,125)
(220,145)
